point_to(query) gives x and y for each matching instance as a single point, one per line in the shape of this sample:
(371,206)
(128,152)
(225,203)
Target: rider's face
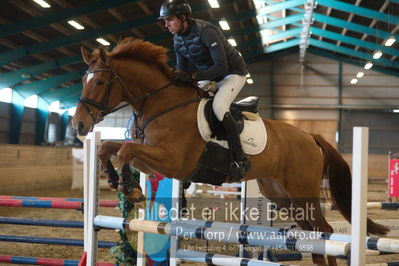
(173,24)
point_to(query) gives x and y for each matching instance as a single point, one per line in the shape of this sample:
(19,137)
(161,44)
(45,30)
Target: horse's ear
(104,57)
(85,54)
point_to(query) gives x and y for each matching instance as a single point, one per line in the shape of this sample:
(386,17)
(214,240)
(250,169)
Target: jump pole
(223,234)
(219,259)
(51,204)
(359,195)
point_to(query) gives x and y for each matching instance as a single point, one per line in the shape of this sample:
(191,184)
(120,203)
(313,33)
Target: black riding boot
(241,163)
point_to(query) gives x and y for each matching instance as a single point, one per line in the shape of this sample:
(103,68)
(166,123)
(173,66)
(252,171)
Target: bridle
(103,105)
(105,110)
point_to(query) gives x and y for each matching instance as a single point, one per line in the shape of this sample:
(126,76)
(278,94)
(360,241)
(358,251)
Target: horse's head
(100,94)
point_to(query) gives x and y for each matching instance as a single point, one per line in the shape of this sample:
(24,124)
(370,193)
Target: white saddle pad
(253,136)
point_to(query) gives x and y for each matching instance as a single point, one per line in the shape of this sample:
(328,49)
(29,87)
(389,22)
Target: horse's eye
(100,82)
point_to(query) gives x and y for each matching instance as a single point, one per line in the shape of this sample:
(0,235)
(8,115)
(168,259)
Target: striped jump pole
(220,192)
(383,205)
(393,263)
(103,203)
(228,235)
(37,261)
(51,204)
(53,241)
(370,205)
(373,243)
(218,259)
(275,257)
(37,222)
(44,261)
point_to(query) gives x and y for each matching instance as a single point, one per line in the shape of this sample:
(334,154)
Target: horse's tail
(338,173)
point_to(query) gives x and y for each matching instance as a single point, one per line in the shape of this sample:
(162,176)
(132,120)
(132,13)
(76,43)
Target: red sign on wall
(393,186)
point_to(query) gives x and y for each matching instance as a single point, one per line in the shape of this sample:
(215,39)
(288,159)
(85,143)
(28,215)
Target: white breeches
(228,89)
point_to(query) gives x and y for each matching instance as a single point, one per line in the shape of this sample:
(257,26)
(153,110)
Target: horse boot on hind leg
(129,187)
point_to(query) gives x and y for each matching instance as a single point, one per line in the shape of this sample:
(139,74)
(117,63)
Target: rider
(201,43)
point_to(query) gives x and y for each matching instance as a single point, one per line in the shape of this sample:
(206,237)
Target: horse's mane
(131,48)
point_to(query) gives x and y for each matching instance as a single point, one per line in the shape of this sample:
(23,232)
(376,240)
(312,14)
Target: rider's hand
(184,77)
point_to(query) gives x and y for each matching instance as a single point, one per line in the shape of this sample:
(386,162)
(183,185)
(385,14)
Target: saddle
(214,165)
(242,110)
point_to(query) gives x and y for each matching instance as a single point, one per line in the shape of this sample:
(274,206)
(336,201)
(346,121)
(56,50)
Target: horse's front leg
(105,151)
(150,156)
(154,157)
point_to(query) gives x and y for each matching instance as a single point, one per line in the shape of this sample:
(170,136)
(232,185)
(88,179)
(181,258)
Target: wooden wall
(378,165)
(25,168)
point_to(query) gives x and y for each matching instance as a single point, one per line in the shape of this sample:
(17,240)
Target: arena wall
(24,168)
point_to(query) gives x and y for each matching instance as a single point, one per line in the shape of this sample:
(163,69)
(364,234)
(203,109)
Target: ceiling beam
(270,25)
(10,78)
(61,93)
(59,16)
(349,19)
(353,26)
(354,41)
(30,34)
(272,48)
(328,54)
(374,21)
(361,11)
(39,86)
(278,6)
(351,52)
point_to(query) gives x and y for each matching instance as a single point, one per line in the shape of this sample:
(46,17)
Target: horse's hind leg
(313,219)
(274,192)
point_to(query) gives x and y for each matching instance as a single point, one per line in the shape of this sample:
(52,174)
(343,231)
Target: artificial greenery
(125,253)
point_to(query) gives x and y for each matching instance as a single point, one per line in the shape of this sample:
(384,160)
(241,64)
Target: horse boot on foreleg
(129,187)
(113,176)
(105,151)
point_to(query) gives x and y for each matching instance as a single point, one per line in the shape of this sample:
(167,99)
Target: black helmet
(174,8)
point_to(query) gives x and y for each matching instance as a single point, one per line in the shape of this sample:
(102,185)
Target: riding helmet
(174,8)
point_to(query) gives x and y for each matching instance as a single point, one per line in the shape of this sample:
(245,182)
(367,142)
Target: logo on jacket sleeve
(214,44)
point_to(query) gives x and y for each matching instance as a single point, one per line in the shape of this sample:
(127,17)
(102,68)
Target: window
(6,95)
(31,101)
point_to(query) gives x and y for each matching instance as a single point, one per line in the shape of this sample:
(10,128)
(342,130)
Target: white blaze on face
(89,77)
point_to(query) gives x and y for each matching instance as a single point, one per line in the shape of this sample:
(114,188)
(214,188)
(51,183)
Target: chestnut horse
(289,171)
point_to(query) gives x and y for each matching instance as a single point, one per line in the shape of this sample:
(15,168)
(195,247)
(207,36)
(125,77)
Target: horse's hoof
(112,185)
(126,190)
(135,196)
